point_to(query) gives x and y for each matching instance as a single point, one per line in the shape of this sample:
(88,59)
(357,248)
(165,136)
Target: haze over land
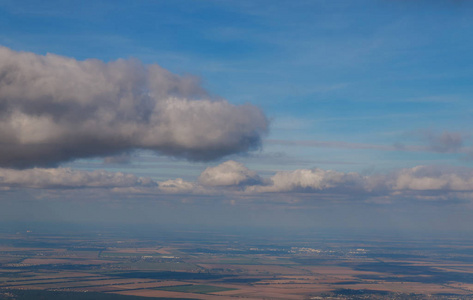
(328,115)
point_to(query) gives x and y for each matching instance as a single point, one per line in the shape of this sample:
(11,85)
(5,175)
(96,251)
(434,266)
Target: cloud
(428,178)
(177,186)
(347,145)
(229,173)
(330,144)
(233,179)
(123,158)
(446,142)
(55,109)
(310,180)
(65,178)
(421,182)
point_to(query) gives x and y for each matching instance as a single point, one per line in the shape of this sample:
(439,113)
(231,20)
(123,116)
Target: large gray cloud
(54,109)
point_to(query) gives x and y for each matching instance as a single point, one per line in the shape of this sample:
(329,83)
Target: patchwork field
(34,266)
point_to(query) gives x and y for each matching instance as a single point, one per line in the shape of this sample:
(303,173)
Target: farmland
(202,265)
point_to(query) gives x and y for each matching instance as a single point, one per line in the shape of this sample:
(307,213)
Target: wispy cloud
(445,142)
(331,144)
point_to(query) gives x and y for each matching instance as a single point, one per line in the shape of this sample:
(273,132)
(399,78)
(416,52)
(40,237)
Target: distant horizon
(157,231)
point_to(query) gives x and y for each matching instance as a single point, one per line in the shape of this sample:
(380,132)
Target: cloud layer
(234,179)
(65,178)
(55,109)
(422,179)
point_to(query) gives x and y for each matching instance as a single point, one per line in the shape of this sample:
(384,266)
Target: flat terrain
(197,265)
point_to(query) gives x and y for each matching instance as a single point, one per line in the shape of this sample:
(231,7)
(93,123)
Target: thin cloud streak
(443,143)
(345,145)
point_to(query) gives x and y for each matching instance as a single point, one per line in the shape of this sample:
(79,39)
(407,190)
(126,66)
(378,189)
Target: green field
(199,289)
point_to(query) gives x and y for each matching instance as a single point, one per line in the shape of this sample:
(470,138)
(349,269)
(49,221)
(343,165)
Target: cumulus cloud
(310,180)
(422,182)
(229,173)
(234,179)
(428,178)
(55,109)
(40,178)
(177,185)
(419,179)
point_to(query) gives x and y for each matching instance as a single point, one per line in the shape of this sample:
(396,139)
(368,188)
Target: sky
(323,115)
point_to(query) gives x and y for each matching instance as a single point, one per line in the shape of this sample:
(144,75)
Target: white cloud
(235,180)
(178,186)
(310,180)
(54,109)
(229,173)
(425,178)
(421,182)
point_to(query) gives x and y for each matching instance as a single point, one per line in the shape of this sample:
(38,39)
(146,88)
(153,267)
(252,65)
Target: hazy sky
(298,114)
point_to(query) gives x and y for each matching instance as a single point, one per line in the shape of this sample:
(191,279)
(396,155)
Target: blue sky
(370,87)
